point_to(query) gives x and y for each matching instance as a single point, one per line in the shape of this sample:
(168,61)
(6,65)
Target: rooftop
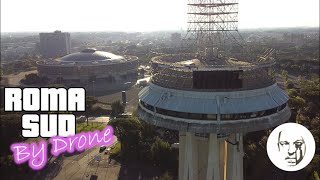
(89,55)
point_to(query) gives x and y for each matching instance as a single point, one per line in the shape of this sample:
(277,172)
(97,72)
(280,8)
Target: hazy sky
(144,15)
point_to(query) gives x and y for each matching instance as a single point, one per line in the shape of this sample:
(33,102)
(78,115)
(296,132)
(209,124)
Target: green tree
(292,93)
(297,102)
(313,165)
(289,85)
(90,101)
(315,129)
(284,74)
(128,132)
(316,175)
(302,118)
(117,108)
(301,80)
(166,176)
(160,151)
(33,78)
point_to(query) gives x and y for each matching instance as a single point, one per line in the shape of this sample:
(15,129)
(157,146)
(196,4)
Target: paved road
(102,119)
(83,165)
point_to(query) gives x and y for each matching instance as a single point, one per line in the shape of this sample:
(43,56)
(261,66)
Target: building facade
(56,44)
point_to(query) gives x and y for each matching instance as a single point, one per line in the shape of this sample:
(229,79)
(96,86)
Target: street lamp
(93,88)
(59,77)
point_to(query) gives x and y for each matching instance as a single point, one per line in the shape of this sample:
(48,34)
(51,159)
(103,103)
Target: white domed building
(99,72)
(87,65)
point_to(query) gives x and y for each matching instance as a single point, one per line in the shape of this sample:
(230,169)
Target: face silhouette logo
(291,147)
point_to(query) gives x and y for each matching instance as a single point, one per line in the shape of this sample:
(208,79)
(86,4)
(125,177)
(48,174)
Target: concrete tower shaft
(210,157)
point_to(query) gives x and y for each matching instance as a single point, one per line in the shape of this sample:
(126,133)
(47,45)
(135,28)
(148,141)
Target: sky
(144,15)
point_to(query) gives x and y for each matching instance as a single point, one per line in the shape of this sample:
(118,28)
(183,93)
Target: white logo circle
(291,147)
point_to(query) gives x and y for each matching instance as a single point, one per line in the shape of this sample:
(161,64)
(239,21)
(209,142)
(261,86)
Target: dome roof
(89,55)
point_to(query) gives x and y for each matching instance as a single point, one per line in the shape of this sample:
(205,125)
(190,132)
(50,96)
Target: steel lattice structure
(210,20)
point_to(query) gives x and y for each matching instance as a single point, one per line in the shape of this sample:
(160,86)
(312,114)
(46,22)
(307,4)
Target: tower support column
(235,157)
(189,156)
(182,147)
(213,169)
(240,160)
(223,158)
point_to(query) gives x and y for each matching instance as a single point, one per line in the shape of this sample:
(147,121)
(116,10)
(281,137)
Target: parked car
(102,148)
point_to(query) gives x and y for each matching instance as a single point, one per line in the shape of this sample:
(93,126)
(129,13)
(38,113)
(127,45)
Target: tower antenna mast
(209,22)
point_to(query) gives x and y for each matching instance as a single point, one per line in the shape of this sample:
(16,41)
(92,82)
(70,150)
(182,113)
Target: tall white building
(56,44)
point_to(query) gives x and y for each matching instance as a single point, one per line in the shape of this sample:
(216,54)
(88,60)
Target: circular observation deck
(214,100)
(214,112)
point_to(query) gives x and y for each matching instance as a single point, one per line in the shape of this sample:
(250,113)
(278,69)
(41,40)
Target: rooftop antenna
(210,23)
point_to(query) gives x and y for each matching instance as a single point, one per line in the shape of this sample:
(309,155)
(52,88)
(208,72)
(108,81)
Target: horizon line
(164,30)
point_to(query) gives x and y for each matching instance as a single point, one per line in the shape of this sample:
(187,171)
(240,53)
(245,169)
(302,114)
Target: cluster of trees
(92,109)
(10,133)
(116,108)
(18,66)
(140,141)
(34,79)
(301,67)
(305,48)
(304,102)
(255,157)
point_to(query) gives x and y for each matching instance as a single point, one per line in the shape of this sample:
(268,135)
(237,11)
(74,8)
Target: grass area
(116,150)
(83,127)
